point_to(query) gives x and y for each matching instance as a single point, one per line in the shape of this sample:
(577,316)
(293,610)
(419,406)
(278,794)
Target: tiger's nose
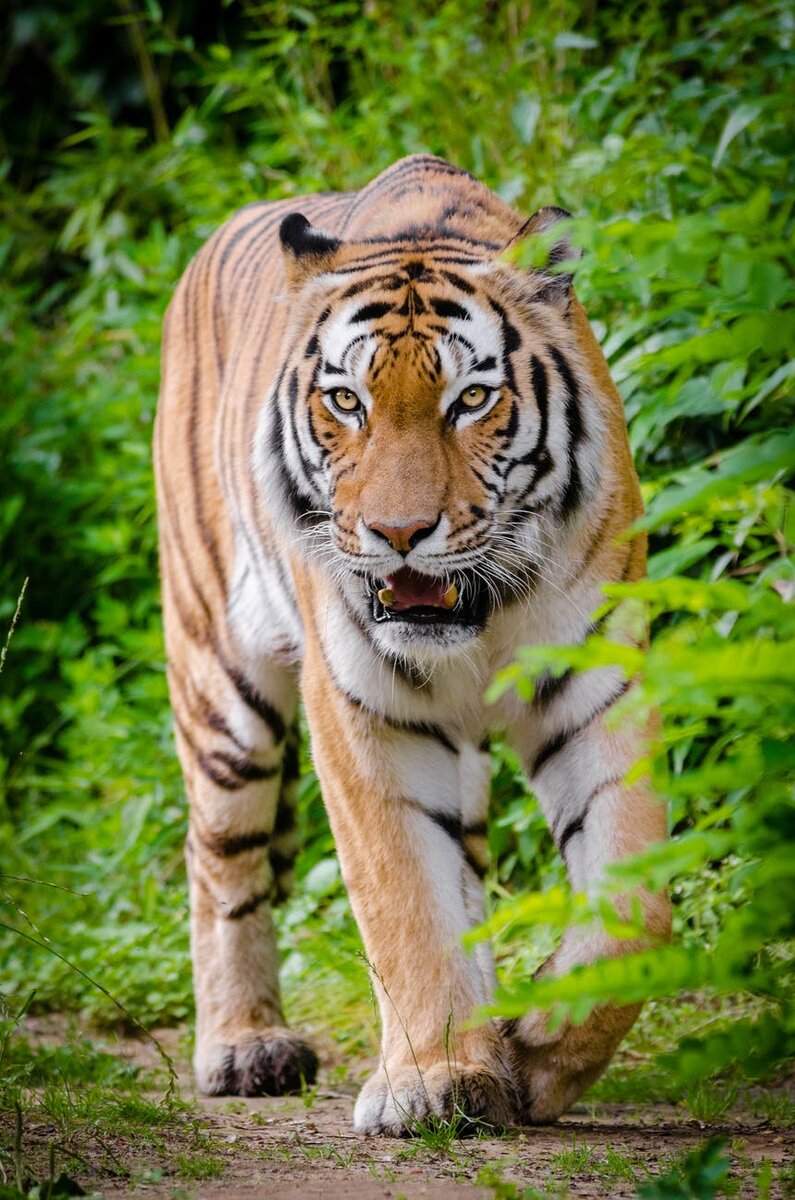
(404,537)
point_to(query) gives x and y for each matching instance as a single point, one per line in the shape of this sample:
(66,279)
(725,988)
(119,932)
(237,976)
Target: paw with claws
(401,1102)
(274,1062)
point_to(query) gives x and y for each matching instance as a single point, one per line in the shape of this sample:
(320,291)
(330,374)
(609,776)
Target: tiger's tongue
(411,590)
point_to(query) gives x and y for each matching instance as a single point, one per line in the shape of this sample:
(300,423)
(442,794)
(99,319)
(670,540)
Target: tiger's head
(429,428)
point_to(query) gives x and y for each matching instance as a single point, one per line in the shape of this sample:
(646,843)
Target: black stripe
(249,906)
(281,862)
(452,825)
(268,220)
(310,423)
(391,258)
(227,782)
(291,767)
(396,175)
(370,312)
(539,453)
(414,234)
(206,533)
(478,869)
(486,364)
(463,284)
(300,504)
(221,777)
(541,393)
(551,748)
(171,524)
(572,492)
(390,282)
(420,728)
(217,722)
(285,818)
(575,826)
(543,467)
(307,465)
(239,234)
(423,729)
(424,164)
(361,337)
(412,305)
(494,488)
(549,687)
(460,340)
(243,769)
(554,745)
(508,432)
(455,829)
(255,701)
(228,847)
(449,308)
(511,341)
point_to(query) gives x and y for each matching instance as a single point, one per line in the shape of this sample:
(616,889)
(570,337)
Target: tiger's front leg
(240,760)
(577,764)
(407,808)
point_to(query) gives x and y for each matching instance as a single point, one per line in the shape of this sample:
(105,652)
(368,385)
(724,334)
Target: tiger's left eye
(345,400)
(473,397)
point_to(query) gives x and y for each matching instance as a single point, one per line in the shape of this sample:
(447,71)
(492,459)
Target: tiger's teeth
(450,596)
(387,597)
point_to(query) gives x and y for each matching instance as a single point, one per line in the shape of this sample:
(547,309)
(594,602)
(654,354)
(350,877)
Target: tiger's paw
(402,1102)
(275,1062)
(553,1069)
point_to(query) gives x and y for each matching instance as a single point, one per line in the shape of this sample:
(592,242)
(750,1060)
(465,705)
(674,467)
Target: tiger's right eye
(345,400)
(473,397)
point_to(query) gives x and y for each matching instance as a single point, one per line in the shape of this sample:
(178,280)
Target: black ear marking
(544,219)
(557,286)
(302,240)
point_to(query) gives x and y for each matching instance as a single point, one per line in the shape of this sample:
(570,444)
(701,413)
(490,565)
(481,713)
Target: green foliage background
(129,134)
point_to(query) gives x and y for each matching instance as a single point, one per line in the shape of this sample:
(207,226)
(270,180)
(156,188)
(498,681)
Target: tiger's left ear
(556,287)
(307,251)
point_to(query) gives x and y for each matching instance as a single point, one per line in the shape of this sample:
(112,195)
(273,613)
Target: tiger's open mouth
(425,600)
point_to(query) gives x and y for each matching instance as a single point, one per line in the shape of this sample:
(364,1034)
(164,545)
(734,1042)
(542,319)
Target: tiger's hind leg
(239,755)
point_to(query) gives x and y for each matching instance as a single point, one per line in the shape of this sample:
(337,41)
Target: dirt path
(305,1147)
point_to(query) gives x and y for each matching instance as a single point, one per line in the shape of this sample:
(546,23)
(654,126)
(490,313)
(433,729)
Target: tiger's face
(432,430)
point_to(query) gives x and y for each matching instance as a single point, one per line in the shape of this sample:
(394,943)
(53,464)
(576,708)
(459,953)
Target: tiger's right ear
(557,285)
(307,251)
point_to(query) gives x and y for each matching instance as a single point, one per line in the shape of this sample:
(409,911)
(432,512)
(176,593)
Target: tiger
(388,456)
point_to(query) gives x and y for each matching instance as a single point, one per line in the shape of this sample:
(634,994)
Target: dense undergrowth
(667,130)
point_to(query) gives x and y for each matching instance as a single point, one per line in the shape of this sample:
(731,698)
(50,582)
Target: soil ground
(305,1147)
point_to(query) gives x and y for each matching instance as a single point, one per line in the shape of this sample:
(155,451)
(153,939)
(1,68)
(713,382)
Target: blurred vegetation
(128,134)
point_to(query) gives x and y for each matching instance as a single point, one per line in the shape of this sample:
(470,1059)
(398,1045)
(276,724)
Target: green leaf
(524,115)
(574,41)
(721,475)
(737,121)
